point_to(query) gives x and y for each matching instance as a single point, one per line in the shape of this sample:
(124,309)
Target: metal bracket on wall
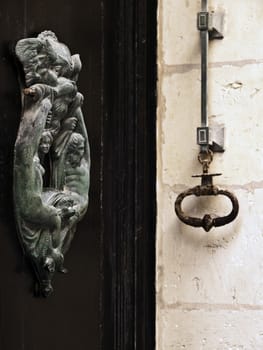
(213,22)
(210,26)
(214,136)
(216,25)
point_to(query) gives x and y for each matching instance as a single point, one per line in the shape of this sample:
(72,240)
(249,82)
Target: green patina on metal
(52,141)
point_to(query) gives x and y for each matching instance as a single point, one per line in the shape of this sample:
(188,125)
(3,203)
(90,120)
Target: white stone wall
(210,285)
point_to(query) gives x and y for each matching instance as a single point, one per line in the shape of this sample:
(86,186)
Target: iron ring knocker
(207,222)
(205,157)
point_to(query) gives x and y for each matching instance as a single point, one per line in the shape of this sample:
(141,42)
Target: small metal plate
(202,20)
(203,136)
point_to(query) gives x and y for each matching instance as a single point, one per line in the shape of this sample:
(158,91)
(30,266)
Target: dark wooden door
(70,318)
(106,301)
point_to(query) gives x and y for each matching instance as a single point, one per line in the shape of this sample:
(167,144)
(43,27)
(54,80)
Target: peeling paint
(235,85)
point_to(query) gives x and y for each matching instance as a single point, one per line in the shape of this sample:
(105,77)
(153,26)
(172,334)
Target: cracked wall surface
(210,285)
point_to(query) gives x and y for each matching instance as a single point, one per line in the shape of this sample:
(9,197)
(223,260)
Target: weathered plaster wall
(210,285)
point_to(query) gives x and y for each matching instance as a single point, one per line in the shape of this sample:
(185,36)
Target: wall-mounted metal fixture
(210,26)
(52,157)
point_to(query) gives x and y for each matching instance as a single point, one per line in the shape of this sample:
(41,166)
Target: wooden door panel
(107,299)
(70,318)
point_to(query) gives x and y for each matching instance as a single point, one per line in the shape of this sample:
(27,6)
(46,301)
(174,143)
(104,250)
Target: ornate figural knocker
(207,30)
(52,157)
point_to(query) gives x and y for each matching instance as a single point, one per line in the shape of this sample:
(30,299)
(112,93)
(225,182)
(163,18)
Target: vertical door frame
(128,156)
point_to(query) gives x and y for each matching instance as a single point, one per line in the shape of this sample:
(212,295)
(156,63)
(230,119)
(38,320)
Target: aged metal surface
(209,24)
(205,157)
(52,157)
(206,189)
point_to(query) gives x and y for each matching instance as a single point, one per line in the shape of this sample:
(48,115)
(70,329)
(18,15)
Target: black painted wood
(129,174)
(70,318)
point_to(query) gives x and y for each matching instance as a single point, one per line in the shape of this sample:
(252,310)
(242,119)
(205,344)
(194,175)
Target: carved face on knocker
(45,142)
(44,59)
(75,150)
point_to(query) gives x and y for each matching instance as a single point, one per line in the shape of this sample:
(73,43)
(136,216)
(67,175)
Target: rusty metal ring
(207,222)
